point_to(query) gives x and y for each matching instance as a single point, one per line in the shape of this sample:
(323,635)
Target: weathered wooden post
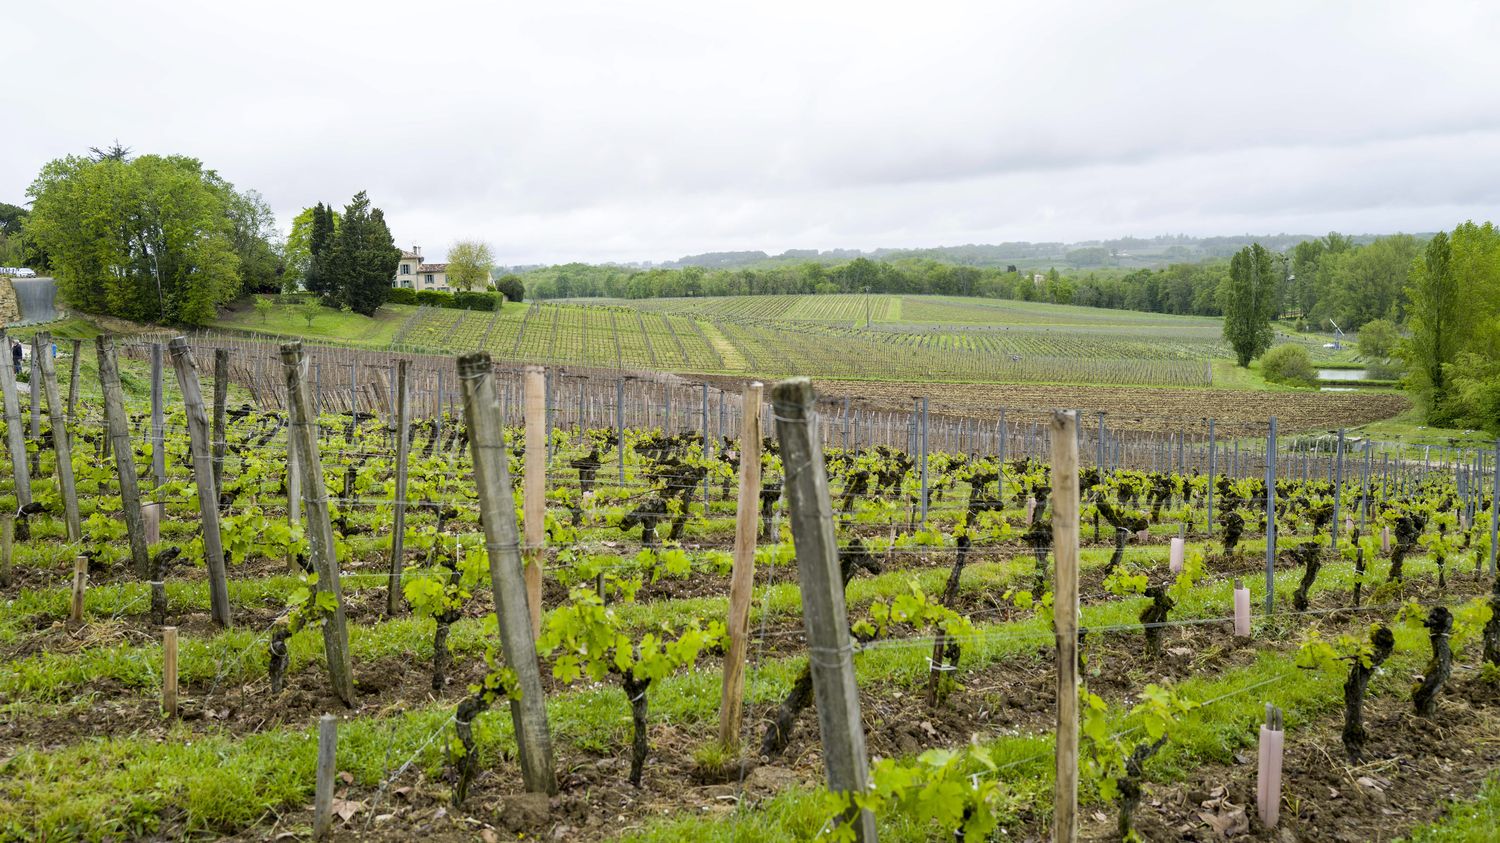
(403,448)
(1271,516)
(534,490)
(293,476)
(80,582)
(328,741)
(319,527)
(34,385)
(824,613)
(1338,493)
(203,476)
(118,429)
(7,546)
(1495,511)
(169,670)
(221,397)
(62,442)
(1065,504)
(15,435)
(498,515)
(742,575)
(158,419)
(73,381)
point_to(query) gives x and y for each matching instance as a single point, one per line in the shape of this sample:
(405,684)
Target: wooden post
(824,614)
(158,419)
(403,447)
(221,397)
(1338,494)
(169,670)
(742,576)
(62,444)
(328,740)
(34,383)
(1065,503)
(203,476)
(497,513)
(293,477)
(7,546)
(383,388)
(80,582)
(319,527)
(15,435)
(534,505)
(1271,517)
(118,428)
(73,381)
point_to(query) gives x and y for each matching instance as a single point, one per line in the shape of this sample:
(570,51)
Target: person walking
(15,355)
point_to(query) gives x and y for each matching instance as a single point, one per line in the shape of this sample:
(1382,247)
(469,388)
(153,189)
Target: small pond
(1343,374)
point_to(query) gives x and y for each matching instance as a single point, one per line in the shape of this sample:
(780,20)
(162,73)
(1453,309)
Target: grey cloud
(644,131)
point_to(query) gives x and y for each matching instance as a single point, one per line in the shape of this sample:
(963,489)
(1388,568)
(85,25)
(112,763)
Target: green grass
(340,326)
(1230,375)
(1408,428)
(1473,820)
(1233,700)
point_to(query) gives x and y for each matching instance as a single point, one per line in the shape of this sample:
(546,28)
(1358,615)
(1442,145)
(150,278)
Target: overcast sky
(649,130)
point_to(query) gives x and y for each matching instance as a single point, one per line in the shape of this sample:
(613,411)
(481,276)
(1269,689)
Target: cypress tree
(320,277)
(1249,301)
(364,257)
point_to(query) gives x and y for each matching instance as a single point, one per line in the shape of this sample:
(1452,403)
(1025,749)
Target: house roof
(433,267)
(410,256)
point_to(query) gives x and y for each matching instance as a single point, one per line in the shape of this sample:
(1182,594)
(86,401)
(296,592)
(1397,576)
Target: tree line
(164,239)
(157,238)
(1331,278)
(1447,295)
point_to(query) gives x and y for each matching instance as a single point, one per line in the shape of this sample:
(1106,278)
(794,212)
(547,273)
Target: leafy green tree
(363,257)
(256,242)
(1378,339)
(512,287)
(11,217)
(1309,281)
(1367,282)
(469,263)
(1453,354)
(1436,311)
(1248,297)
(145,238)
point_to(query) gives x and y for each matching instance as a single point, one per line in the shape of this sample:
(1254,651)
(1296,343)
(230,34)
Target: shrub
(511,286)
(1289,364)
(476,301)
(434,298)
(402,295)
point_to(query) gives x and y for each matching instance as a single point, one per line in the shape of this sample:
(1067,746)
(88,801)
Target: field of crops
(828,336)
(949,571)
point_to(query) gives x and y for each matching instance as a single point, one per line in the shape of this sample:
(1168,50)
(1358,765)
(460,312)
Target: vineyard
(579,608)
(882,337)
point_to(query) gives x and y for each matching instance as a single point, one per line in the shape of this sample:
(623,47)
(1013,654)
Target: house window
(405,269)
(429,278)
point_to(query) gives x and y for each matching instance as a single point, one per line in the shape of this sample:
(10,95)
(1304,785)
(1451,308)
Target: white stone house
(411,272)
